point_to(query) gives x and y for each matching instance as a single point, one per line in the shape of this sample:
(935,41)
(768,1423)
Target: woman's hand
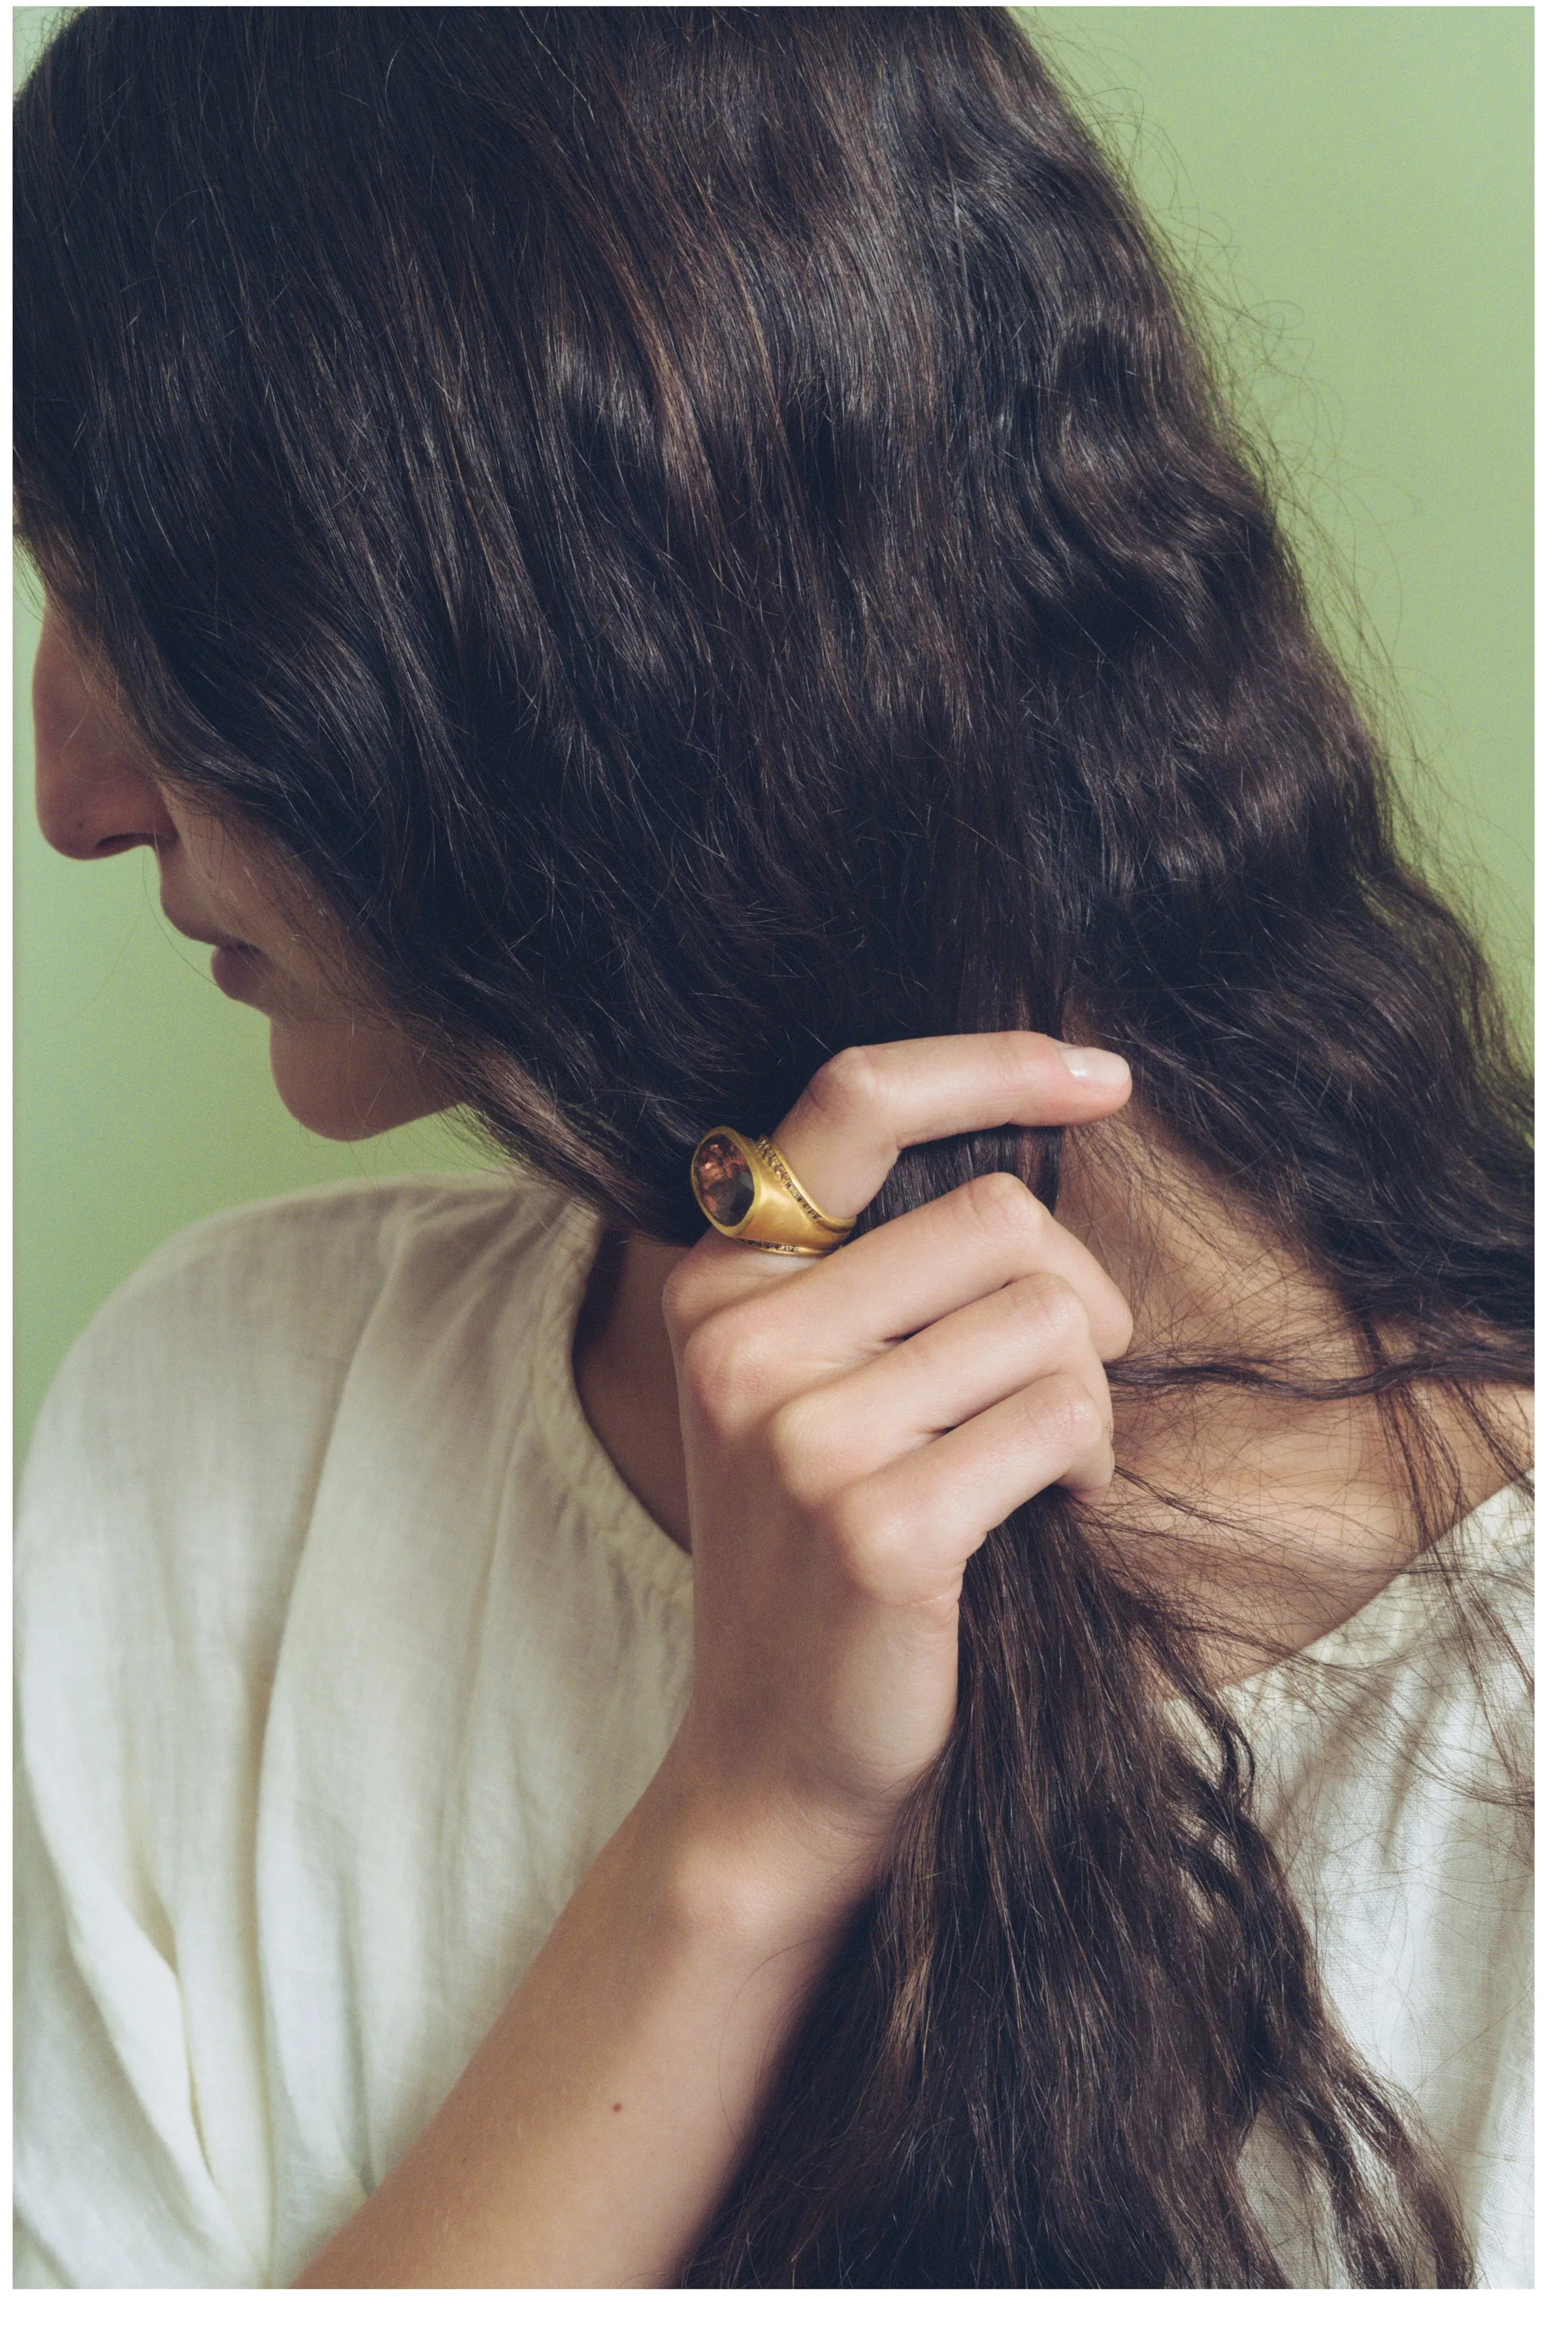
(854,1427)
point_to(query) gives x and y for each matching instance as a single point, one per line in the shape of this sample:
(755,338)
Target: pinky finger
(935,1506)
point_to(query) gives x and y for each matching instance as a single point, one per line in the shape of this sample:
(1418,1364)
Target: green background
(1350,188)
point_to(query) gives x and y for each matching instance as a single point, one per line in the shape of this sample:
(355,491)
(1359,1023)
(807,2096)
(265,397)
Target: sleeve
(167,1496)
(30,2266)
(147,1578)
(111,2185)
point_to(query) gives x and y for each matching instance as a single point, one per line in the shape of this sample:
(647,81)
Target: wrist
(751,1881)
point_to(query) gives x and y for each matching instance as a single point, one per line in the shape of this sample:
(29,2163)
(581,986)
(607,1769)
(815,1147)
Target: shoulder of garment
(162,1509)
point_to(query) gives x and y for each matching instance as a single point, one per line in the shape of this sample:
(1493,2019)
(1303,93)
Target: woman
(649,571)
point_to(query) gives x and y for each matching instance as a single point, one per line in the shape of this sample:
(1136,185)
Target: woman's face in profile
(341,1070)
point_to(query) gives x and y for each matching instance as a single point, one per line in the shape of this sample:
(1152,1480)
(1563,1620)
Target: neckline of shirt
(591,1477)
(1379,1628)
(1396,1616)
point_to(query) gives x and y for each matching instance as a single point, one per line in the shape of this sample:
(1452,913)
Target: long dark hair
(709,536)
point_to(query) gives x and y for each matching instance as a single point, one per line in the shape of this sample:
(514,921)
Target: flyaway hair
(711,538)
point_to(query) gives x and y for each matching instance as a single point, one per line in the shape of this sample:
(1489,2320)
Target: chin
(346,1082)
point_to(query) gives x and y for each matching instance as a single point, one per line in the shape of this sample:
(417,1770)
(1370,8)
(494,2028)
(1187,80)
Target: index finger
(862,1108)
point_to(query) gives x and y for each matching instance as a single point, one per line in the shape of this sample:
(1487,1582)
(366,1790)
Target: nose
(94,797)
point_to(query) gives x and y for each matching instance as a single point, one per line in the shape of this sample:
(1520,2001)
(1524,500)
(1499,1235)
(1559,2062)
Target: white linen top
(342,1651)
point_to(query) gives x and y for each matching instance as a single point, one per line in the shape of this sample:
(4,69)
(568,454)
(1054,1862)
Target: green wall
(1351,188)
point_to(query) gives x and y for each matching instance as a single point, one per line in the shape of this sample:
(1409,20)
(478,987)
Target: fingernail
(1099,1069)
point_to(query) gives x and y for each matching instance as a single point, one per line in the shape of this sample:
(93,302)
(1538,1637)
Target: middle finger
(926,1264)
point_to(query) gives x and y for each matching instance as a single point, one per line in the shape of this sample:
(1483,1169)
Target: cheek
(347,1080)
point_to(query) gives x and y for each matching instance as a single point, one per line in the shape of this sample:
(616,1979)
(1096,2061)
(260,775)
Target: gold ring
(749,1193)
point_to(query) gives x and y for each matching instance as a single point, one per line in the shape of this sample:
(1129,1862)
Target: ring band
(749,1193)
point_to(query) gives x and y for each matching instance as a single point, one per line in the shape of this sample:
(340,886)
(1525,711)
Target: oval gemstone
(723,1180)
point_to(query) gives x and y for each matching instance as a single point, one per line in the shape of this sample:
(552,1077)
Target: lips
(207,938)
(236,966)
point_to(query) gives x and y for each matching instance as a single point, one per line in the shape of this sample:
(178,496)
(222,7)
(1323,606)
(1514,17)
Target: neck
(1305,1506)
(626,1375)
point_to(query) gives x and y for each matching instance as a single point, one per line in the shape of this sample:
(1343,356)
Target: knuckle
(1103,1475)
(1067,1413)
(848,1088)
(1054,1308)
(1119,1332)
(797,1452)
(866,1536)
(1024,1054)
(723,1364)
(705,1368)
(680,1299)
(1002,1205)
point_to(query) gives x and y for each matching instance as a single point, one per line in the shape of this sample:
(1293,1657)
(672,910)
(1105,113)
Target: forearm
(599,2122)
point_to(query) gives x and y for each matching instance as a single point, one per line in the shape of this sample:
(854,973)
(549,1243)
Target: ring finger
(915,1523)
(942,1377)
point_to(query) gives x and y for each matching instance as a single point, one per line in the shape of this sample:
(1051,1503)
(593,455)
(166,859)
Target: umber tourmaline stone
(724,1183)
